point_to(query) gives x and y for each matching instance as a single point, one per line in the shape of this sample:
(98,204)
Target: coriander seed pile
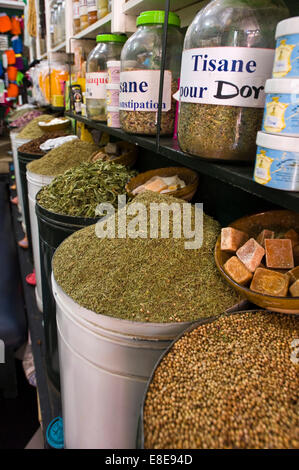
(227,384)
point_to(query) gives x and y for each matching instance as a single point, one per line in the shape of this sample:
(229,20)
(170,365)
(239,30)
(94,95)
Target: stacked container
(277,159)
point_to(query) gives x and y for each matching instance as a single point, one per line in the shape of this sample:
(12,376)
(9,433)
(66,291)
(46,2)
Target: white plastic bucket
(35,183)
(15,144)
(105,363)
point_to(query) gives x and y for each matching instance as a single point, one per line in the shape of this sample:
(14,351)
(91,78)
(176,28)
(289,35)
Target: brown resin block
(232,239)
(263,235)
(293,274)
(251,254)
(294,289)
(270,282)
(296,255)
(237,271)
(293,236)
(279,254)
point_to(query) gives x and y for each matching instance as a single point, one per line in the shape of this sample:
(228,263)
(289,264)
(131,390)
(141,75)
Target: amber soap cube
(279,254)
(294,289)
(270,282)
(251,254)
(232,239)
(263,235)
(293,274)
(237,271)
(293,236)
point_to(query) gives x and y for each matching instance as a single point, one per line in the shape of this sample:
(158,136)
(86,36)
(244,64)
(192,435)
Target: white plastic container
(277,162)
(281,114)
(112,94)
(35,183)
(15,144)
(113,116)
(113,67)
(286,62)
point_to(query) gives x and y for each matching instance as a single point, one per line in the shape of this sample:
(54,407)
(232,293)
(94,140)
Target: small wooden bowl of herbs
(123,153)
(258,256)
(178,182)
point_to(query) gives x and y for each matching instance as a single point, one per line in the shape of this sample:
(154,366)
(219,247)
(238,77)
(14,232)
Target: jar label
(286,62)
(277,169)
(96,85)
(76,13)
(281,114)
(226,76)
(92,6)
(139,90)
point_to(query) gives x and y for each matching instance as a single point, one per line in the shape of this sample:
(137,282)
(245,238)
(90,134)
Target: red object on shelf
(31,279)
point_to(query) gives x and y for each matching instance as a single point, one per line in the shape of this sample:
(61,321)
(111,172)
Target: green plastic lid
(112,38)
(157,17)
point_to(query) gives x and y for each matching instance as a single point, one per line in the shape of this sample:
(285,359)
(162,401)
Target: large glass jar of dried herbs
(108,47)
(140,74)
(228,56)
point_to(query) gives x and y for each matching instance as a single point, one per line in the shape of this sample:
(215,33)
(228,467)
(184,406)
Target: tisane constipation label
(286,62)
(281,114)
(139,90)
(277,169)
(227,76)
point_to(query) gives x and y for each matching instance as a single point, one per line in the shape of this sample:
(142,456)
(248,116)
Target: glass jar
(83,14)
(76,16)
(52,23)
(227,58)
(92,10)
(63,20)
(102,8)
(55,28)
(140,74)
(108,47)
(59,22)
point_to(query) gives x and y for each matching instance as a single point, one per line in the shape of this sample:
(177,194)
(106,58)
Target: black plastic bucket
(24,159)
(53,229)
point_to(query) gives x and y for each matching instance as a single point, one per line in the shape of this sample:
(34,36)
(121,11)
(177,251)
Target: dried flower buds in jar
(140,75)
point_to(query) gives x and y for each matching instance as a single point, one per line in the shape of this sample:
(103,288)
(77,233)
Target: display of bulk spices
(22,117)
(227,384)
(33,147)
(32,129)
(227,58)
(145,279)
(140,74)
(79,190)
(60,159)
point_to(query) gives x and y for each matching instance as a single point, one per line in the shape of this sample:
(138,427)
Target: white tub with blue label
(281,114)
(286,62)
(277,162)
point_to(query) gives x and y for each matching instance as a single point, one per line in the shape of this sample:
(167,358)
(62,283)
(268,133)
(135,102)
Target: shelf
(100,26)
(49,397)
(239,176)
(135,7)
(12,4)
(59,47)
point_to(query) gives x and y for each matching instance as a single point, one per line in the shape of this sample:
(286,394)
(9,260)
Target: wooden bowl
(278,221)
(55,127)
(128,158)
(190,177)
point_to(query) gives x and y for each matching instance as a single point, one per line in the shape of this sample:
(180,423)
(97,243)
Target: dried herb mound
(227,384)
(220,132)
(33,147)
(144,279)
(62,158)
(32,129)
(79,190)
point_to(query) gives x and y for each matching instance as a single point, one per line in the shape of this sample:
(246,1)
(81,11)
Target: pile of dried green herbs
(62,158)
(79,190)
(144,279)
(220,132)
(32,129)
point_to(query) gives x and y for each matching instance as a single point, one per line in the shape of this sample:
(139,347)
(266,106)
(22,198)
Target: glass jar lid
(112,38)
(157,17)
